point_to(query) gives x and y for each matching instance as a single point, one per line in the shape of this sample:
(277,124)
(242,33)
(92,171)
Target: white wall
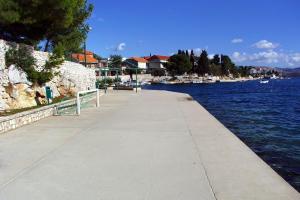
(142,65)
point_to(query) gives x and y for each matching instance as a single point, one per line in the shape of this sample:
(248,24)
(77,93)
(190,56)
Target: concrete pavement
(153,145)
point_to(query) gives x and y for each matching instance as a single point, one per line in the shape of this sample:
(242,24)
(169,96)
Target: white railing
(85,92)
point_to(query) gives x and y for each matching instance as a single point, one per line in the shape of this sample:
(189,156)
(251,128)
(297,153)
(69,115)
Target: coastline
(247,110)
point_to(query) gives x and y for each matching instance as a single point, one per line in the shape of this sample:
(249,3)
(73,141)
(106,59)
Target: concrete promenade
(153,145)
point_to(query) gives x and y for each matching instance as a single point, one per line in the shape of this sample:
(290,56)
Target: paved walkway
(147,146)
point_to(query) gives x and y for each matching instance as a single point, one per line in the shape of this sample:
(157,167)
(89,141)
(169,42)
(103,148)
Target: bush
(158,72)
(21,57)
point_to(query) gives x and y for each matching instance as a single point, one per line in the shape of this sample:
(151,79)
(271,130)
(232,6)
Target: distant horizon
(258,33)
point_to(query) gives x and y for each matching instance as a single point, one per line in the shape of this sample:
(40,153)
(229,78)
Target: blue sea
(266,117)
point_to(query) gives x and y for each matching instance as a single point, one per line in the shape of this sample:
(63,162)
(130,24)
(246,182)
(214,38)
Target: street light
(88,28)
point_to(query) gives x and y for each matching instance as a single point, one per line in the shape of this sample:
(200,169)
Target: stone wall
(15,121)
(11,122)
(17,92)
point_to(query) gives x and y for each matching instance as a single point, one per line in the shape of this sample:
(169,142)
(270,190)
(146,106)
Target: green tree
(216,59)
(97,57)
(178,64)
(54,22)
(115,61)
(21,57)
(203,64)
(215,69)
(192,60)
(244,71)
(187,53)
(228,66)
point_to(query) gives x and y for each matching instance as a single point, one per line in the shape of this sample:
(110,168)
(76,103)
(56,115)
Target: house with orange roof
(91,62)
(157,62)
(139,62)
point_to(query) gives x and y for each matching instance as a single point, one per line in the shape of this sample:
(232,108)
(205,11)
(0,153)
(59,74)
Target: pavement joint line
(198,151)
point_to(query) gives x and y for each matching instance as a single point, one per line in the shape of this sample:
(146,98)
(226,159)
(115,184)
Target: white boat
(263,81)
(197,81)
(274,77)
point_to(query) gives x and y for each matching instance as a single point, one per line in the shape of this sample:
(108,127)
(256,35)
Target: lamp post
(84,45)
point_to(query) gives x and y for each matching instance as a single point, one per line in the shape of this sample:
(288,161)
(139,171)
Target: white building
(157,62)
(141,63)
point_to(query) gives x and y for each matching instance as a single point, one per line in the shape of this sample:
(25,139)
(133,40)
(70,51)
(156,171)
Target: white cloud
(237,40)
(239,57)
(296,57)
(268,57)
(121,47)
(211,56)
(198,51)
(265,44)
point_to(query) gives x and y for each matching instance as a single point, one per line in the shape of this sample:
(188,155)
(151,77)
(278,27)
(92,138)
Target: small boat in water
(264,81)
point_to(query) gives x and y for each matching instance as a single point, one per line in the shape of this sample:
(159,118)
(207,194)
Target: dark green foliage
(133,71)
(178,64)
(216,59)
(192,60)
(203,64)
(158,72)
(244,71)
(215,70)
(228,66)
(115,61)
(97,57)
(21,57)
(107,82)
(55,22)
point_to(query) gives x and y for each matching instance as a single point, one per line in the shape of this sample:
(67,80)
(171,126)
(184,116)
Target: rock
(76,75)
(24,97)
(4,80)
(2,54)
(17,92)
(16,75)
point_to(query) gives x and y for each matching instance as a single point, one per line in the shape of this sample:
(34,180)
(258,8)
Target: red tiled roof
(138,59)
(89,53)
(89,58)
(147,57)
(159,57)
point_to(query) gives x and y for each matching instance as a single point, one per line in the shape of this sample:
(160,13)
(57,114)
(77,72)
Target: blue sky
(256,32)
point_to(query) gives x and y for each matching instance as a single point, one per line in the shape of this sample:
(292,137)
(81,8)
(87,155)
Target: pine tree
(216,59)
(55,22)
(227,66)
(203,64)
(192,60)
(187,53)
(178,65)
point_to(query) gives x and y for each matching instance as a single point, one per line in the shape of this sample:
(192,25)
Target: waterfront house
(157,62)
(138,62)
(87,58)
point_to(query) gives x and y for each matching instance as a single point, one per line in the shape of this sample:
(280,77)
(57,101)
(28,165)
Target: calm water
(265,116)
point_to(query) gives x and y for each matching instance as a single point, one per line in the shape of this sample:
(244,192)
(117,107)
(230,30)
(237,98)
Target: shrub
(21,56)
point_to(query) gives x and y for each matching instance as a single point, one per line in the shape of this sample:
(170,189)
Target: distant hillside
(291,72)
